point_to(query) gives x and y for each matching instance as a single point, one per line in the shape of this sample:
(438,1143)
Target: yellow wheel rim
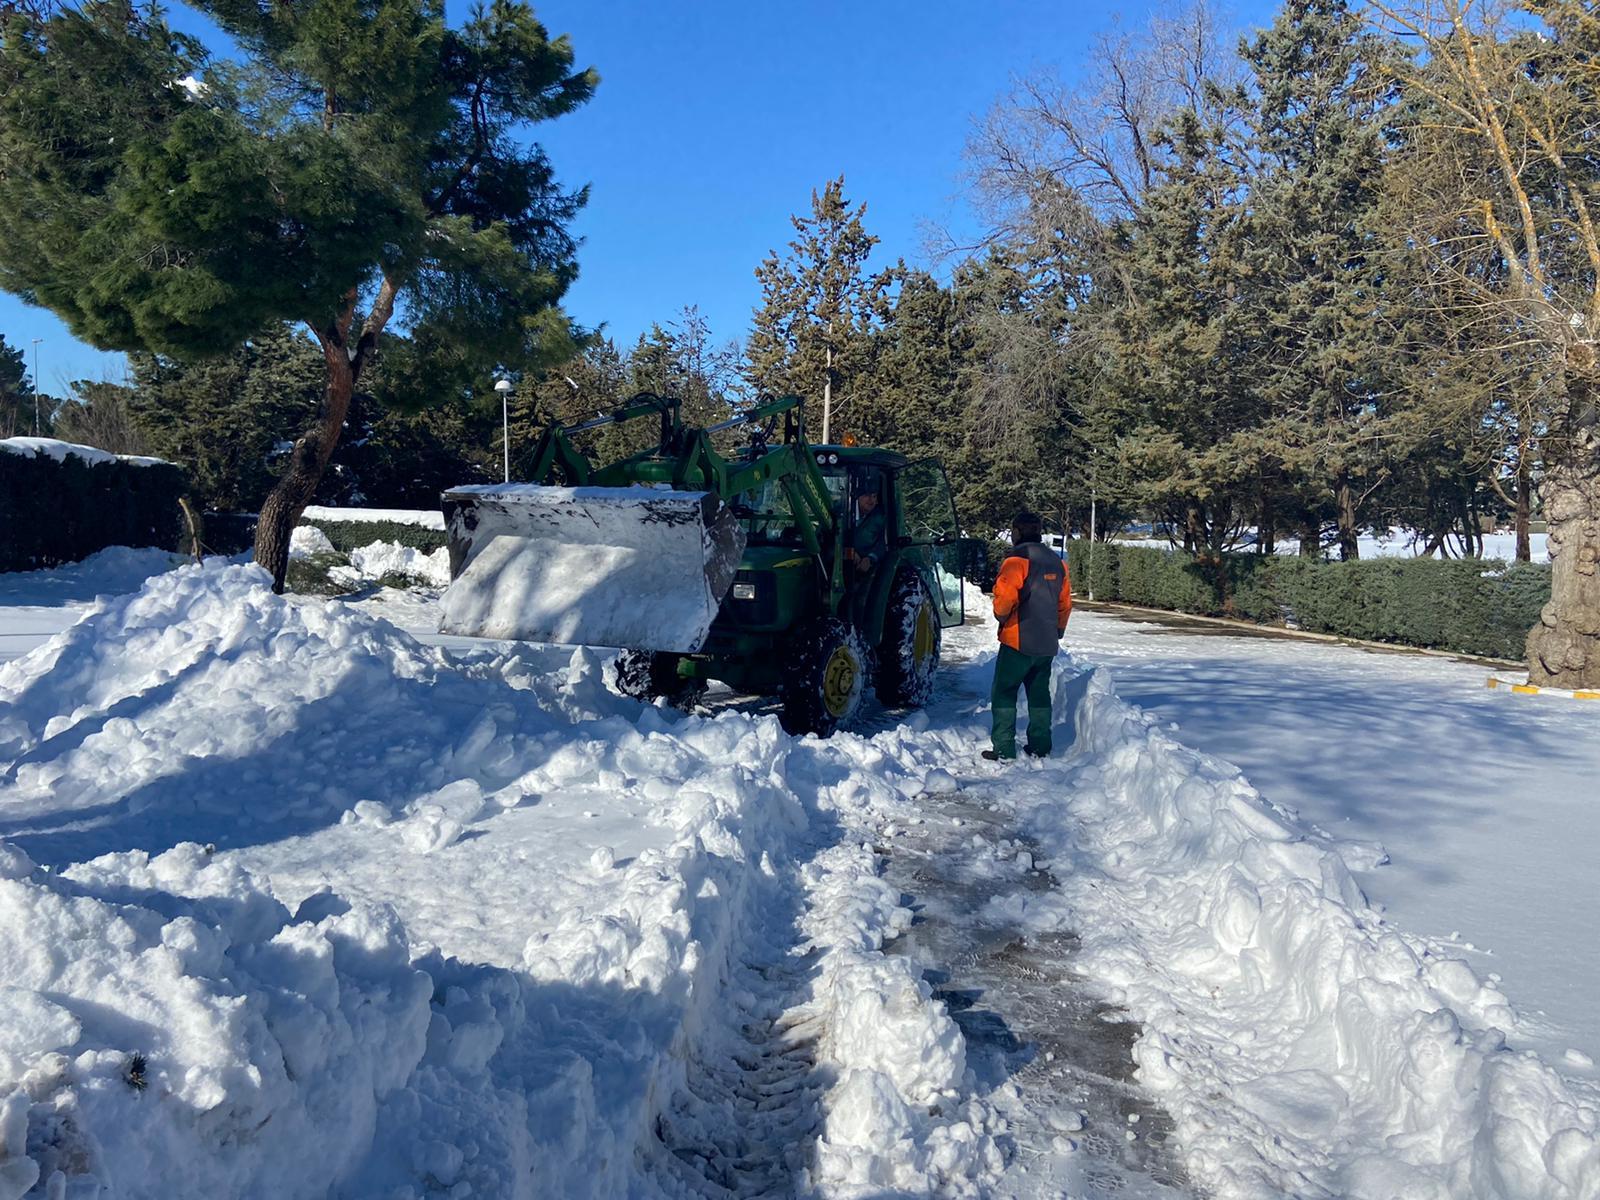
(922,640)
(839,681)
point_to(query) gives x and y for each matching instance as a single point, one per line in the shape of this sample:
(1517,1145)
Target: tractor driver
(869,534)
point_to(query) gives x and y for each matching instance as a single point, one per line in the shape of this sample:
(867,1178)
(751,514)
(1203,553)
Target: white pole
(1093,500)
(503,386)
(36,418)
(827,399)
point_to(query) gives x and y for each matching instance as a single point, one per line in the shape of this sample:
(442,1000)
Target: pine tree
(1315,256)
(1182,400)
(1017,388)
(354,161)
(913,400)
(811,336)
(229,421)
(16,392)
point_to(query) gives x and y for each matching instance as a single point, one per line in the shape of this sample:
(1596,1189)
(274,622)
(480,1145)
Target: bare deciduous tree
(1507,118)
(1054,153)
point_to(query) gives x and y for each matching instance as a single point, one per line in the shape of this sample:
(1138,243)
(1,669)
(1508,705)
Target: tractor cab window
(848,482)
(768,518)
(930,520)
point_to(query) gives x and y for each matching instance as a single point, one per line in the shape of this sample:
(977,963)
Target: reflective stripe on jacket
(1032,599)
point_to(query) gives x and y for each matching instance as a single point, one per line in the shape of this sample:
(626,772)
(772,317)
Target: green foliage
(352,535)
(99,415)
(1182,407)
(819,307)
(16,392)
(1467,606)
(228,419)
(349,140)
(354,159)
(1317,271)
(56,512)
(402,459)
(313,575)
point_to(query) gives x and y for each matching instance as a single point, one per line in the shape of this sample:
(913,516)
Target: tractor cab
(887,580)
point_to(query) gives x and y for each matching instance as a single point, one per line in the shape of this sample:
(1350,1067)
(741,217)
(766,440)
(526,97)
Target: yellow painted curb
(1528,689)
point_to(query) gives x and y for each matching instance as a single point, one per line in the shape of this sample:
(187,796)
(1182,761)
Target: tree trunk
(1349,547)
(1191,530)
(1524,509)
(307,461)
(1564,647)
(1310,539)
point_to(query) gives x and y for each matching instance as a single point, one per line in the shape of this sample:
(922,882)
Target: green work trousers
(1011,671)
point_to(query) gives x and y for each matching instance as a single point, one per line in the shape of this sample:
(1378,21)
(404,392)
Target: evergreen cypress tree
(1183,402)
(819,306)
(913,401)
(1315,257)
(224,419)
(16,391)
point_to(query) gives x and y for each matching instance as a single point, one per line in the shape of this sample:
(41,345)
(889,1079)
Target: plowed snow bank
(178,1024)
(1303,1046)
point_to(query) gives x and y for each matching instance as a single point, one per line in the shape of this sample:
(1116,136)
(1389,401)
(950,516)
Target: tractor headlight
(744,591)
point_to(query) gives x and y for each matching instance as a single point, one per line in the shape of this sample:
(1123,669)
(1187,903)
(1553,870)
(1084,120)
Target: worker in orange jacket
(1032,600)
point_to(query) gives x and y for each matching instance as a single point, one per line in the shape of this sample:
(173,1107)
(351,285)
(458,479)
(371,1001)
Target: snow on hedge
(59,451)
(374,561)
(425,517)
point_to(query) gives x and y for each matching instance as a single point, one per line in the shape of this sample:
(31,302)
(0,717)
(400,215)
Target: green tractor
(784,568)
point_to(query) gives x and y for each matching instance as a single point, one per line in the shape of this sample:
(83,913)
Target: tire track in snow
(1054,1061)
(743,1121)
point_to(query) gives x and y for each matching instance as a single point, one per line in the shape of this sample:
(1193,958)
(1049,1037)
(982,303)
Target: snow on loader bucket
(637,568)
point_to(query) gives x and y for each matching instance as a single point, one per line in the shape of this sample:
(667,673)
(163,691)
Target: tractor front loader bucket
(632,567)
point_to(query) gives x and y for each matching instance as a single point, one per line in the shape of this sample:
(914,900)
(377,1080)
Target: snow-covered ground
(292,904)
(1485,801)
(37,605)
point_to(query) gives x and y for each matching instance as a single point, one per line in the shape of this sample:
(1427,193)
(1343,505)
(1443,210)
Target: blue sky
(715,120)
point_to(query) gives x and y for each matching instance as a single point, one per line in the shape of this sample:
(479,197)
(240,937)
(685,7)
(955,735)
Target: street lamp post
(503,386)
(1094,498)
(37,423)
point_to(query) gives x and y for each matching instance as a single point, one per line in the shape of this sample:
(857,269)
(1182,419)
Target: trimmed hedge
(1463,605)
(54,512)
(352,535)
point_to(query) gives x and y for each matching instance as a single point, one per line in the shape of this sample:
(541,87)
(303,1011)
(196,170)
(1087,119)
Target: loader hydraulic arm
(665,524)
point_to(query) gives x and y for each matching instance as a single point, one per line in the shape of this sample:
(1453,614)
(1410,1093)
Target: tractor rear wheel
(653,675)
(824,678)
(908,656)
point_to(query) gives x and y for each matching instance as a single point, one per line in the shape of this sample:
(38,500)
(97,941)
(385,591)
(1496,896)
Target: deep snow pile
(291,905)
(108,572)
(1303,1046)
(190,1012)
(37,605)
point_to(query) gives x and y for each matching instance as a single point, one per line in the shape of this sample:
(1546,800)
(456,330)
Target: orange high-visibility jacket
(1032,599)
